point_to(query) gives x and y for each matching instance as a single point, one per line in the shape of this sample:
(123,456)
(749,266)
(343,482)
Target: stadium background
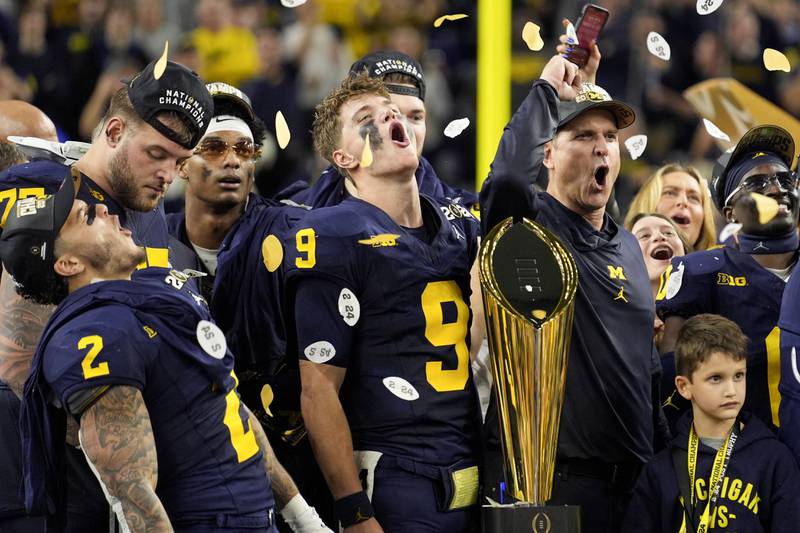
(68,56)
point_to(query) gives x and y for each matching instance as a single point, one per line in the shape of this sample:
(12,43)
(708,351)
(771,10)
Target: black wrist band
(354,509)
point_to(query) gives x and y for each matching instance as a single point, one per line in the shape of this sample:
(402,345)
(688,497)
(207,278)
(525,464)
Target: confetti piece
(266,398)
(272,252)
(366,154)
(455,127)
(706,7)
(539,314)
(282,130)
(161,64)
(636,145)
(775,60)
(658,46)
(438,22)
(572,35)
(728,231)
(714,131)
(530,34)
(292,3)
(767,207)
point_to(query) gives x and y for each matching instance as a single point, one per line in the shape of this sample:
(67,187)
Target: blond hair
(649,195)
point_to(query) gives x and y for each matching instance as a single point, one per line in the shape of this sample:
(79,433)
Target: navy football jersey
(789,386)
(156,335)
(42,177)
(394,310)
(730,283)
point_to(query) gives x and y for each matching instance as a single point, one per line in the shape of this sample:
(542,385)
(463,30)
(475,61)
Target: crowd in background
(68,56)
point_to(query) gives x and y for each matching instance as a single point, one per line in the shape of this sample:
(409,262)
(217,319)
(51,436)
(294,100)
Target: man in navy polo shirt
(606,426)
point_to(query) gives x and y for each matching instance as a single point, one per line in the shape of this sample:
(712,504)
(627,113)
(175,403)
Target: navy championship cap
(593,96)
(176,89)
(27,244)
(379,64)
(768,138)
(223,92)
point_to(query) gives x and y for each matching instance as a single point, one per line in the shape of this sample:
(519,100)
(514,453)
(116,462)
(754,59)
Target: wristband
(354,509)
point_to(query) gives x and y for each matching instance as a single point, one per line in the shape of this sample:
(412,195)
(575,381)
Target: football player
(146,373)
(150,127)
(744,284)
(377,291)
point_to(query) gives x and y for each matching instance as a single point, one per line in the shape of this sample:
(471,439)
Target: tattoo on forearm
(283,486)
(118,440)
(21,325)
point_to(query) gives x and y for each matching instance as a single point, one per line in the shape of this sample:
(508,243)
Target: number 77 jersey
(391,305)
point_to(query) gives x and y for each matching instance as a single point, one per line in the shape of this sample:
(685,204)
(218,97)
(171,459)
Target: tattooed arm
(117,439)
(21,325)
(283,486)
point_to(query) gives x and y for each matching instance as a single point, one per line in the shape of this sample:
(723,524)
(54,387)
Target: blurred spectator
(152,29)
(118,45)
(108,83)
(227,52)
(275,89)
(316,52)
(12,87)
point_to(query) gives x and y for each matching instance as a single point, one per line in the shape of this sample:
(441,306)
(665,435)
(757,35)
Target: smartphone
(588,28)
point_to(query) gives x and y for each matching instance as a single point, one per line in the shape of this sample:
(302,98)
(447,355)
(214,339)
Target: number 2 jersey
(375,298)
(156,335)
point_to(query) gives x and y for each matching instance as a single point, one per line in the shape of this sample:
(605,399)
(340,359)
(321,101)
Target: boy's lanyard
(721,460)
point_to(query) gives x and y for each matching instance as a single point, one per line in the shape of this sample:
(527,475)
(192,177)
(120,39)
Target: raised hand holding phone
(590,23)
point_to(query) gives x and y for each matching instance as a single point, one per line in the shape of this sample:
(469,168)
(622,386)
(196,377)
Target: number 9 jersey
(391,305)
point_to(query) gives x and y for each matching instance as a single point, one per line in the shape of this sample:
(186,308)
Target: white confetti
(319,352)
(728,231)
(714,131)
(636,145)
(675,281)
(349,307)
(401,388)
(292,3)
(705,7)
(211,339)
(455,127)
(658,46)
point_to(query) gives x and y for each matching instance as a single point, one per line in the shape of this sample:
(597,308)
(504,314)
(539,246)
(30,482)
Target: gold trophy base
(527,518)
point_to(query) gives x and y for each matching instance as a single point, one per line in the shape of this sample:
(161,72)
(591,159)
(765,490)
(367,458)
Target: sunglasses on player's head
(216,148)
(786,180)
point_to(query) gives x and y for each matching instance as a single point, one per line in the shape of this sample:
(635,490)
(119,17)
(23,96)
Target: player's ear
(68,265)
(113,130)
(683,386)
(344,160)
(183,170)
(548,154)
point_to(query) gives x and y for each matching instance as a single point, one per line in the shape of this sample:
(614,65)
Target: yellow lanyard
(721,460)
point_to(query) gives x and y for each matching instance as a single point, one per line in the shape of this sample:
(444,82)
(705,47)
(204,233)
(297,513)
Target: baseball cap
(593,96)
(27,244)
(378,64)
(768,138)
(177,89)
(223,92)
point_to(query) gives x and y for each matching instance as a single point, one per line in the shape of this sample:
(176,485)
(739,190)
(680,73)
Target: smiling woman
(680,193)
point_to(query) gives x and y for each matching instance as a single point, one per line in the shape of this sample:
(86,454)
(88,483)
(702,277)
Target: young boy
(752,479)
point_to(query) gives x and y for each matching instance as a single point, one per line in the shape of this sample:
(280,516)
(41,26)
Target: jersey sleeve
(99,349)
(35,179)
(324,315)
(683,291)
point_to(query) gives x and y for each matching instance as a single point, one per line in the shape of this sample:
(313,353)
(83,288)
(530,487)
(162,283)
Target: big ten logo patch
(731,281)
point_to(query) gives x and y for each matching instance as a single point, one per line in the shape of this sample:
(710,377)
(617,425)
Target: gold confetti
(266,398)
(161,64)
(272,253)
(767,207)
(366,155)
(438,22)
(539,314)
(282,130)
(530,34)
(775,60)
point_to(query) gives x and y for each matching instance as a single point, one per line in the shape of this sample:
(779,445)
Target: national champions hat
(223,92)
(379,64)
(27,244)
(593,96)
(767,138)
(176,89)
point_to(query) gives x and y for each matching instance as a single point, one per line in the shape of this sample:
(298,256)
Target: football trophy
(529,280)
